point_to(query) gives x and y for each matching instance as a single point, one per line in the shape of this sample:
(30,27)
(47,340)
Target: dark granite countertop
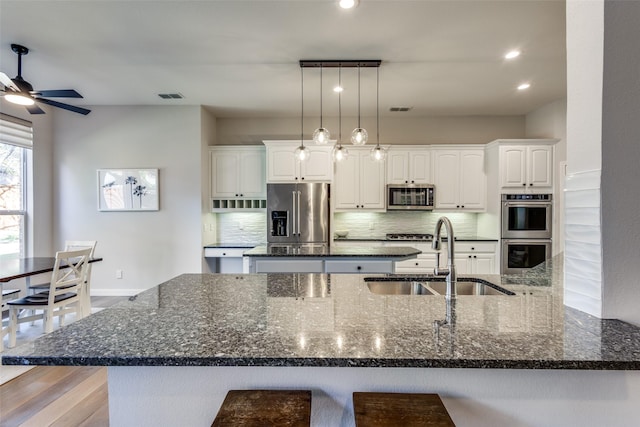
(334,320)
(232,245)
(384,239)
(322,251)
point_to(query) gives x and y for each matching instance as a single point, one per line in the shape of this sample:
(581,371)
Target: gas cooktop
(409,236)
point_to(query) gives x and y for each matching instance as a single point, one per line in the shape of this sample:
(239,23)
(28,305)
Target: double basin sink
(431,286)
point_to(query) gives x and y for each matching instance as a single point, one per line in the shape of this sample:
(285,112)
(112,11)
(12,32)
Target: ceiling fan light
(321,136)
(359,136)
(19,99)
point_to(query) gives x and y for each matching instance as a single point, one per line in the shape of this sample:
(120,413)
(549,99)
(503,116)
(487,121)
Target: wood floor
(61,396)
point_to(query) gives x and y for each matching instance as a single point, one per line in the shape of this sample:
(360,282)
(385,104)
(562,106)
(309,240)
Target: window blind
(14,131)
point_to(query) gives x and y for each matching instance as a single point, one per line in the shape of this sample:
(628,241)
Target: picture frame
(124,190)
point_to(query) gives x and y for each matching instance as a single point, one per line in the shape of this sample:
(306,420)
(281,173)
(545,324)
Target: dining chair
(70,245)
(63,296)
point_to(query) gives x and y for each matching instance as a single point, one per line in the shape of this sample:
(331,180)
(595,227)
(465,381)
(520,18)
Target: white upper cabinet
(408,165)
(237,172)
(524,167)
(459,178)
(282,166)
(359,182)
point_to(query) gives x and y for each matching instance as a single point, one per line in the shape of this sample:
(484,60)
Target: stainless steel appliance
(417,197)
(526,216)
(520,255)
(298,213)
(526,231)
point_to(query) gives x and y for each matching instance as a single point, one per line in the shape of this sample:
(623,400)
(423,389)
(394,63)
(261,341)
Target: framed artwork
(128,190)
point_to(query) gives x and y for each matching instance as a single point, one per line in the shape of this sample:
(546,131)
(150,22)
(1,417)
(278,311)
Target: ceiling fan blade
(64,106)
(60,93)
(34,109)
(7,82)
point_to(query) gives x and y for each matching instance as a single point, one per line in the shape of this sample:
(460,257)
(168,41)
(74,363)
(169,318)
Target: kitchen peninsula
(173,351)
(326,259)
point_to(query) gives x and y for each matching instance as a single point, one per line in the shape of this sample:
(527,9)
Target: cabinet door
(319,166)
(347,181)
(484,264)
(224,174)
(251,175)
(397,167)
(513,172)
(446,177)
(281,164)
(372,188)
(540,171)
(463,263)
(473,181)
(419,167)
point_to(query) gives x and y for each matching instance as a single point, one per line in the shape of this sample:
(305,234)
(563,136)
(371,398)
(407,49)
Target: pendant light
(359,135)
(378,153)
(302,152)
(321,135)
(339,152)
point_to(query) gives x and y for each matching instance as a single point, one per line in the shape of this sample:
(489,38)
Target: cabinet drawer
(224,252)
(476,247)
(381,266)
(288,266)
(417,263)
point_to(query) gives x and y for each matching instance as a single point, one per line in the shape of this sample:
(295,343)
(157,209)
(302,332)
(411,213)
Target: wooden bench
(400,410)
(260,408)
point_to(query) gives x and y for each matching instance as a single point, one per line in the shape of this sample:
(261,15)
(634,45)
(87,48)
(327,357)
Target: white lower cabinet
(476,257)
(423,263)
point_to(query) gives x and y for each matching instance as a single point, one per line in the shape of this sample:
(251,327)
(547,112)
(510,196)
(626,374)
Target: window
(16,140)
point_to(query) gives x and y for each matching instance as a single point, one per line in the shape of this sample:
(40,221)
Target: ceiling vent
(400,109)
(170,95)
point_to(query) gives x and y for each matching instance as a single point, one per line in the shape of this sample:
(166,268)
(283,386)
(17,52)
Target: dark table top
(11,269)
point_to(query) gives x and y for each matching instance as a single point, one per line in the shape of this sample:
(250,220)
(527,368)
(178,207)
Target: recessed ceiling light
(524,86)
(348,4)
(512,54)
(338,89)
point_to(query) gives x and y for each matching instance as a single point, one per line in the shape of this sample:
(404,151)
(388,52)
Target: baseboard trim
(115,292)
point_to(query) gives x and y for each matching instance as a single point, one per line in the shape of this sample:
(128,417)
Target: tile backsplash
(378,224)
(251,227)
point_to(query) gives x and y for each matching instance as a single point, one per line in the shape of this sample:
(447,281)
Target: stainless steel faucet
(450,271)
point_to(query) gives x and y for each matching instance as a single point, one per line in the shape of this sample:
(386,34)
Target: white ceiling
(240,58)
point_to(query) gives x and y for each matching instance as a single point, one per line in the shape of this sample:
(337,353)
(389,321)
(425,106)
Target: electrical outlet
(240,225)
(372,226)
(118,274)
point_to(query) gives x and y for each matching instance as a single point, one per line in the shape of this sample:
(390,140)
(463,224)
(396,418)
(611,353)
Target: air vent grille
(400,109)
(170,95)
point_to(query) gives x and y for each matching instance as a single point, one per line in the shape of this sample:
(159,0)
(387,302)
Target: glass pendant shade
(339,153)
(359,136)
(378,153)
(321,136)
(302,153)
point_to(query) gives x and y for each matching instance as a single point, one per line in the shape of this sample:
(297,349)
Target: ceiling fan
(20,91)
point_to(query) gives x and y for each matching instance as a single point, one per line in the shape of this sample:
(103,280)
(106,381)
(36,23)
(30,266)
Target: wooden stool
(261,408)
(400,409)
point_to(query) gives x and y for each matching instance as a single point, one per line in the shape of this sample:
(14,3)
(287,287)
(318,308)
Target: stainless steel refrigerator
(298,213)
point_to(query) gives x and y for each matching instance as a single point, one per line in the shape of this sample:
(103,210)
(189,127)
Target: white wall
(393,130)
(583,254)
(150,247)
(620,157)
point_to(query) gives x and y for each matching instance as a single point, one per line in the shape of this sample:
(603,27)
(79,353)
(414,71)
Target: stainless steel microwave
(417,197)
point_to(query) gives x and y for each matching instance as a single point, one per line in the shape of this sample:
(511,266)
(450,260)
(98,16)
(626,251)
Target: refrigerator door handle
(298,216)
(295,214)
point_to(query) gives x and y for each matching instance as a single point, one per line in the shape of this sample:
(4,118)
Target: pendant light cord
(321,95)
(302,107)
(340,106)
(359,95)
(378,105)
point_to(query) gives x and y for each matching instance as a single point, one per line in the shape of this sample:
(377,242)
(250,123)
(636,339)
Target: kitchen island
(290,258)
(173,351)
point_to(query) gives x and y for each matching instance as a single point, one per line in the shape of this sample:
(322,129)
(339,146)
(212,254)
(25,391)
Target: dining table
(25,268)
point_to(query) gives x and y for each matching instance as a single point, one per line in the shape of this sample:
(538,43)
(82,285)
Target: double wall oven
(526,231)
